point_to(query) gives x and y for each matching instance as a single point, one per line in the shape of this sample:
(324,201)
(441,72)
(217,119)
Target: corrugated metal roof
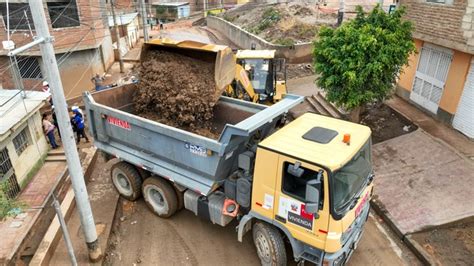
(14,107)
(122,19)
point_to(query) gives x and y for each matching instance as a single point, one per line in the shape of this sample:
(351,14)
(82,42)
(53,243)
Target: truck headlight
(346,234)
(340,260)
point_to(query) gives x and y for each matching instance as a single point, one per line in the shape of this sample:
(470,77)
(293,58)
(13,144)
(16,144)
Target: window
(18,19)
(448,2)
(296,186)
(8,179)
(21,141)
(63,14)
(29,67)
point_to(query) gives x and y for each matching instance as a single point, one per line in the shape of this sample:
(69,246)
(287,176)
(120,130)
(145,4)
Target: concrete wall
(23,163)
(408,75)
(76,69)
(455,82)
(298,53)
(453,87)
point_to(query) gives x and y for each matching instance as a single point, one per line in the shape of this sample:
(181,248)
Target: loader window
(296,186)
(259,74)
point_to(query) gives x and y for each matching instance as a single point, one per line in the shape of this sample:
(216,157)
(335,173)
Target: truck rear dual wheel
(269,244)
(127,180)
(160,196)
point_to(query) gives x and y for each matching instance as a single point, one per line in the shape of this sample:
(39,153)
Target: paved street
(186,239)
(421,181)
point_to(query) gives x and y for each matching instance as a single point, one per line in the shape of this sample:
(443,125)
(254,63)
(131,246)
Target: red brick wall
(89,34)
(438,22)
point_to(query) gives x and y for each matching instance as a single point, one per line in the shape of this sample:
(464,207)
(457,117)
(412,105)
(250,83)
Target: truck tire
(180,197)
(269,244)
(160,197)
(127,180)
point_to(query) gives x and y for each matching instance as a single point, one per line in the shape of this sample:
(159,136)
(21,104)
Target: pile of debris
(177,90)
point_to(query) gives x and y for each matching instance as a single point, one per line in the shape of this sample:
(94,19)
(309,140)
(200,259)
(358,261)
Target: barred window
(63,14)
(21,141)
(29,67)
(18,19)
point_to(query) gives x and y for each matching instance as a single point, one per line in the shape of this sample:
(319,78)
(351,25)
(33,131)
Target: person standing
(46,89)
(78,120)
(48,129)
(97,80)
(55,120)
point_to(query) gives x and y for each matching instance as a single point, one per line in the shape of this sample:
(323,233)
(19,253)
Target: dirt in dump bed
(177,90)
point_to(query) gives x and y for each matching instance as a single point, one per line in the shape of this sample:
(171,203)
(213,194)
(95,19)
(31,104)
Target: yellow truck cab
(313,182)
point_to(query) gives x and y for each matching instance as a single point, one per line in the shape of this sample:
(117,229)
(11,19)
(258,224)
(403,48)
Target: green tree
(360,61)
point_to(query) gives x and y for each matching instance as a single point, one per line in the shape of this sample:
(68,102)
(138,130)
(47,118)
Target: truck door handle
(280,219)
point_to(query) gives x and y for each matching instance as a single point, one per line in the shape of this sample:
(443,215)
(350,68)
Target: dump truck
(307,183)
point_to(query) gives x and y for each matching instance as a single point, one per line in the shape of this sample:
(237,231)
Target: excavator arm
(242,87)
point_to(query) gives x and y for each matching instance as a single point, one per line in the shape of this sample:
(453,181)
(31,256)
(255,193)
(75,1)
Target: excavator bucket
(222,56)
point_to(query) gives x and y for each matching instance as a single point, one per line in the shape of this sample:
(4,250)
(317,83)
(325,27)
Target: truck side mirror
(312,195)
(295,169)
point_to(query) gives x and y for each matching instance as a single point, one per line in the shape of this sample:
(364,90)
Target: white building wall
(23,163)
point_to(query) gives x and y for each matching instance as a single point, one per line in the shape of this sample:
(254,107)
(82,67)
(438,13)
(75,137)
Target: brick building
(440,77)
(82,42)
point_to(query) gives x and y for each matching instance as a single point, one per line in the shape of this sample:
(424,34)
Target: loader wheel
(126,180)
(269,244)
(160,197)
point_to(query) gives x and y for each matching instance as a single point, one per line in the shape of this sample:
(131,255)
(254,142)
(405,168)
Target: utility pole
(69,142)
(340,13)
(144,20)
(117,35)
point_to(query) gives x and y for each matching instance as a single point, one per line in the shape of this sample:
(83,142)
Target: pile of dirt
(385,123)
(177,90)
(284,23)
(299,70)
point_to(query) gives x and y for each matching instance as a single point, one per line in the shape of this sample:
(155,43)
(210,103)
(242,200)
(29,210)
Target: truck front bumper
(344,254)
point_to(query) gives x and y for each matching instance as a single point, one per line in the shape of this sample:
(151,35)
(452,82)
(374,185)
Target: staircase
(57,155)
(321,106)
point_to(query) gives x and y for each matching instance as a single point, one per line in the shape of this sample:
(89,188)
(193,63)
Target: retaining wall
(298,53)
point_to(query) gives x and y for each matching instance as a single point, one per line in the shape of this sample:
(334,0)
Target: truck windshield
(349,181)
(258,71)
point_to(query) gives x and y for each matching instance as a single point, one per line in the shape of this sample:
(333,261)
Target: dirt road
(184,239)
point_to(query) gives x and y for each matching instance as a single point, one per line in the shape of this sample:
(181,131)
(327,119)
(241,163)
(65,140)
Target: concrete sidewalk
(421,182)
(103,199)
(15,229)
(449,135)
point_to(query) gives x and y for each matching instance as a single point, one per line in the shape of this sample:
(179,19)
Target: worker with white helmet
(46,89)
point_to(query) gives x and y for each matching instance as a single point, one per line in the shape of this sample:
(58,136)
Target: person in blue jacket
(78,121)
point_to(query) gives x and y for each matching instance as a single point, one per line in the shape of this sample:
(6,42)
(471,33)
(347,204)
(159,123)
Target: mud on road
(141,238)
(177,90)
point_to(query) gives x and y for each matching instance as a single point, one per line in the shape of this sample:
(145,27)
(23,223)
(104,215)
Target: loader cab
(266,73)
(314,186)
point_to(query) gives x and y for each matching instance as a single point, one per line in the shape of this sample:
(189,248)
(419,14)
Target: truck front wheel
(160,197)
(269,244)
(126,180)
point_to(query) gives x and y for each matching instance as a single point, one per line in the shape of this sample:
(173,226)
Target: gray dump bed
(191,160)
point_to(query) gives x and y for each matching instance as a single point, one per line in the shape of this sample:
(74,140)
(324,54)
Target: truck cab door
(290,201)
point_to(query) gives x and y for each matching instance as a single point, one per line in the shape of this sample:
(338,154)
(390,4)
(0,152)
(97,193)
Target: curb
(53,235)
(414,247)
